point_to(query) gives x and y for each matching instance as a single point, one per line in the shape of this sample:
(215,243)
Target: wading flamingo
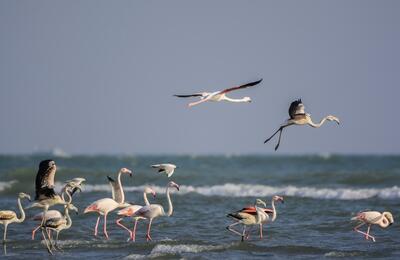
(57,225)
(220,95)
(8,216)
(167,168)
(299,117)
(253,211)
(106,205)
(116,186)
(130,210)
(247,219)
(153,211)
(383,220)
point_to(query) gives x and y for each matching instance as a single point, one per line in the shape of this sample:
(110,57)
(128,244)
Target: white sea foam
(6,184)
(251,190)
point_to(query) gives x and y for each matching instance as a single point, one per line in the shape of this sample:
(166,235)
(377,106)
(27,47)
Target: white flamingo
(153,211)
(220,95)
(131,210)
(383,220)
(253,211)
(247,219)
(106,205)
(116,186)
(299,117)
(8,216)
(57,224)
(167,168)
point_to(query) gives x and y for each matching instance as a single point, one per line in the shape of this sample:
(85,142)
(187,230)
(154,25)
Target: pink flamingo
(105,206)
(153,211)
(130,210)
(384,220)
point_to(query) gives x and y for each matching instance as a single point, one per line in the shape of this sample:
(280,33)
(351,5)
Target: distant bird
(167,168)
(153,211)
(384,220)
(57,224)
(253,211)
(131,210)
(8,216)
(220,95)
(116,186)
(299,117)
(247,219)
(106,205)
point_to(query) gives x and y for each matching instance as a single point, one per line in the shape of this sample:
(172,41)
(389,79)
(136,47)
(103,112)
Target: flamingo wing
(44,183)
(190,95)
(241,86)
(296,108)
(7,215)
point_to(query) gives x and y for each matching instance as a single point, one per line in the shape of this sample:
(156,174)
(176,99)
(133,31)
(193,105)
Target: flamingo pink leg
(34,232)
(105,226)
(366,236)
(148,237)
(134,231)
(118,222)
(261,231)
(361,232)
(97,224)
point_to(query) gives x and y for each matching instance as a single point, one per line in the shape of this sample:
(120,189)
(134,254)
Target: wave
(4,185)
(250,190)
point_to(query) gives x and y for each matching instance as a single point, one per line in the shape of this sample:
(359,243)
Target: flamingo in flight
(153,211)
(106,205)
(383,220)
(57,224)
(253,211)
(247,219)
(299,117)
(220,95)
(8,216)
(131,210)
(167,168)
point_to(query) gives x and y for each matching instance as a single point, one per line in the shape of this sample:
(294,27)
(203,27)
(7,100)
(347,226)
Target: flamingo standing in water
(106,205)
(220,95)
(153,211)
(57,224)
(131,210)
(383,220)
(299,117)
(8,216)
(253,211)
(247,219)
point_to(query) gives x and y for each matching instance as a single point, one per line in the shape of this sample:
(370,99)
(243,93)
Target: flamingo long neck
(259,212)
(170,207)
(317,125)
(69,221)
(22,218)
(273,210)
(146,201)
(385,220)
(235,100)
(120,185)
(64,191)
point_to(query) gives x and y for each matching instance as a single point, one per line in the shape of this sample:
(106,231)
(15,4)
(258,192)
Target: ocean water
(321,194)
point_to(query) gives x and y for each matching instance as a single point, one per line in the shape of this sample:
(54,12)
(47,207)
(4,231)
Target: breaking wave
(250,190)
(4,185)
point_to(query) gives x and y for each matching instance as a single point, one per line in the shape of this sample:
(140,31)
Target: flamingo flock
(53,221)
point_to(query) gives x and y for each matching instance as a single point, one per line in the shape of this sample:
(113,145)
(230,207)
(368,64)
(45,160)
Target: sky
(97,77)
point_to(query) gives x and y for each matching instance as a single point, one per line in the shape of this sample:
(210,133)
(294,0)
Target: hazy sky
(98,76)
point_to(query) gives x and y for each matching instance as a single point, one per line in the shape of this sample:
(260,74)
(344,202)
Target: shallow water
(321,194)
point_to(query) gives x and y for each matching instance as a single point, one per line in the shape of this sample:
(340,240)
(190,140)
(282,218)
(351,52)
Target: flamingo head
(47,166)
(150,190)
(247,99)
(126,171)
(173,184)
(22,195)
(278,198)
(261,202)
(70,206)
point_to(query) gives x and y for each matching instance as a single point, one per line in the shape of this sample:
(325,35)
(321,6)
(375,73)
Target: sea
(321,194)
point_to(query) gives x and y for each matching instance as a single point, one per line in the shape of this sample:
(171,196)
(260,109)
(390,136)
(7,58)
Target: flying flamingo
(105,206)
(167,168)
(130,210)
(384,220)
(299,117)
(8,216)
(247,219)
(57,224)
(70,187)
(153,211)
(253,211)
(220,95)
